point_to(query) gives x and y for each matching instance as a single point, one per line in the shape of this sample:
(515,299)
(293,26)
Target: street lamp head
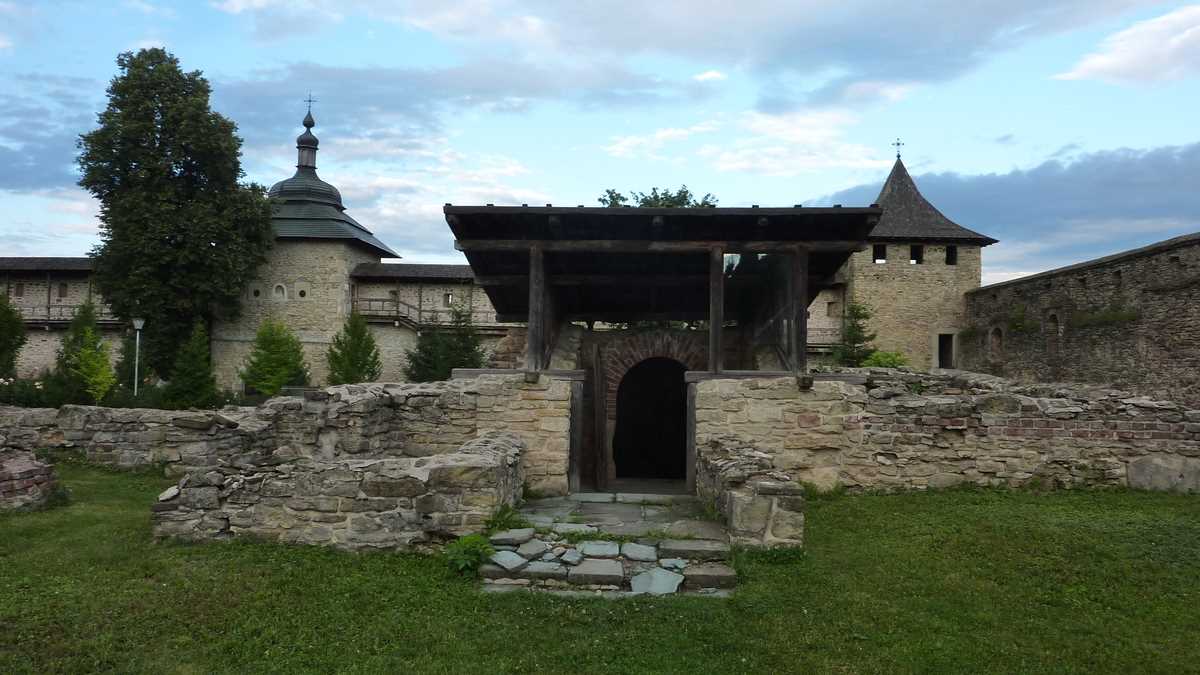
(138,324)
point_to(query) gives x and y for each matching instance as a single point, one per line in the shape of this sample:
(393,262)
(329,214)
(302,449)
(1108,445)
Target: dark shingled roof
(908,216)
(46,264)
(307,207)
(414,272)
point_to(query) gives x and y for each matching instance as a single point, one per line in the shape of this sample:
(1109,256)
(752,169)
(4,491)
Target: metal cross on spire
(310,100)
(898,144)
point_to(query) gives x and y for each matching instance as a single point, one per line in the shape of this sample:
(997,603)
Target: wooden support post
(536,328)
(716,306)
(798,289)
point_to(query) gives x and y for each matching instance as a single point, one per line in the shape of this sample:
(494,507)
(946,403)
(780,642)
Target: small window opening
(1117,277)
(303,294)
(1052,325)
(951,255)
(19,290)
(996,343)
(1176,261)
(257,292)
(833,309)
(62,291)
(916,254)
(879,253)
(280,292)
(447,300)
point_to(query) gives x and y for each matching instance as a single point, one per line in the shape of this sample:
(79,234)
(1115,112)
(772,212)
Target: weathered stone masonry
(25,482)
(963,429)
(1131,320)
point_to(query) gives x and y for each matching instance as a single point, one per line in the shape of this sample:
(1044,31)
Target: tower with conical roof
(306,282)
(915,275)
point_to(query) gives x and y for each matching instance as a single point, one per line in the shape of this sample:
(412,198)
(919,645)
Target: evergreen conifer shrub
(192,383)
(276,360)
(354,356)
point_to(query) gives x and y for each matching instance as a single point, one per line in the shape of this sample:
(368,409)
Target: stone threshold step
(628,498)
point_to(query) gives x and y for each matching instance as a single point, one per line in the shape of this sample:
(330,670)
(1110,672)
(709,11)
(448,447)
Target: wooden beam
(798,296)
(613,280)
(716,306)
(535,330)
(648,246)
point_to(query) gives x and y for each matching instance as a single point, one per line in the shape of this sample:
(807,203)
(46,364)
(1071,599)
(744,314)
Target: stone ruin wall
(25,482)
(962,428)
(1131,320)
(394,420)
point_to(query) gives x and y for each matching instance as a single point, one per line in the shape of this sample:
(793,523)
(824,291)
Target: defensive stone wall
(1131,319)
(959,429)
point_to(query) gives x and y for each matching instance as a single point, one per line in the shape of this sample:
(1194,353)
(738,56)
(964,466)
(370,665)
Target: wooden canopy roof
(627,264)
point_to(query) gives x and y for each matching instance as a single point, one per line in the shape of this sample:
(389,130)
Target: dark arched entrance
(650,439)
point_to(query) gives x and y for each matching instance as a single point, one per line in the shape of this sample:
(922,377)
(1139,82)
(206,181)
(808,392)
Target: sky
(1067,130)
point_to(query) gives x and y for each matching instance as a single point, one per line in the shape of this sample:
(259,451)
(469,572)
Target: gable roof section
(305,219)
(414,272)
(908,216)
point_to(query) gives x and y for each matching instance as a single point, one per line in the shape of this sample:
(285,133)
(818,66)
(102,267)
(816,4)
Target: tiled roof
(46,264)
(415,272)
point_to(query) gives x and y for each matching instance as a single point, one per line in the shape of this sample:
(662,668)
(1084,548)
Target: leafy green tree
(12,337)
(192,383)
(92,366)
(354,356)
(65,384)
(658,197)
(856,339)
(440,350)
(180,234)
(276,360)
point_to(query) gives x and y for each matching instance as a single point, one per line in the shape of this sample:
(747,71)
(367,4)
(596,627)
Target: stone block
(709,575)
(693,549)
(597,571)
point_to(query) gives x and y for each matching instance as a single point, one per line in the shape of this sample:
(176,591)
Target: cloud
(5,43)
(1007,139)
(710,76)
(1058,213)
(149,8)
(648,145)
(1163,48)
(43,115)
(791,143)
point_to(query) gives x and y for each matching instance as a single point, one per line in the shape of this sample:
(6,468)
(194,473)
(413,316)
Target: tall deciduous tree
(12,337)
(180,234)
(658,197)
(354,356)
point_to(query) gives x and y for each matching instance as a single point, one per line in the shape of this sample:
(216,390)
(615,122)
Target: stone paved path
(643,544)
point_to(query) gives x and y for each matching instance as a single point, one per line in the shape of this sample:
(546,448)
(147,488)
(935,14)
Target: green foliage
(12,337)
(354,356)
(878,359)
(988,581)
(92,365)
(917,388)
(276,360)
(1104,317)
(180,235)
(969,334)
(192,384)
(856,339)
(658,197)
(65,384)
(505,518)
(1020,322)
(441,350)
(466,555)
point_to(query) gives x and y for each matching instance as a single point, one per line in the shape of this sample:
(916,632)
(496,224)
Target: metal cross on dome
(310,100)
(898,144)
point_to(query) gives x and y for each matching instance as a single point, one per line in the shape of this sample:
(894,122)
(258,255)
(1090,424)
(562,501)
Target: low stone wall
(371,420)
(977,430)
(759,505)
(25,482)
(386,502)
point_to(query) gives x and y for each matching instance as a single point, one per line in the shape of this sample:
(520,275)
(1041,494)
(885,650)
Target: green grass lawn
(961,581)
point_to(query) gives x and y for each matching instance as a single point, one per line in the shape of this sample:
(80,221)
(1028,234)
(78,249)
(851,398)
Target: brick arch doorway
(650,436)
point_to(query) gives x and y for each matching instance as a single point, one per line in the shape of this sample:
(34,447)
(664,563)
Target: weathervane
(898,144)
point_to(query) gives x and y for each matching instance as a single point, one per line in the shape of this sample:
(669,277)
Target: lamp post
(138,324)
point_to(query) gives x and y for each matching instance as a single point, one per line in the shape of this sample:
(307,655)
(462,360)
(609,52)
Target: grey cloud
(1059,212)
(42,119)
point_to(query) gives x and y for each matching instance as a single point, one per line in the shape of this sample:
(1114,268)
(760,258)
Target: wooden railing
(391,308)
(62,312)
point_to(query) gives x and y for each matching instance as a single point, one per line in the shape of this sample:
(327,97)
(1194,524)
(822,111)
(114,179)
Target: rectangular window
(916,254)
(62,291)
(447,300)
(945,350)
(951,255)
(833,309)
(19,290)
(879,254)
